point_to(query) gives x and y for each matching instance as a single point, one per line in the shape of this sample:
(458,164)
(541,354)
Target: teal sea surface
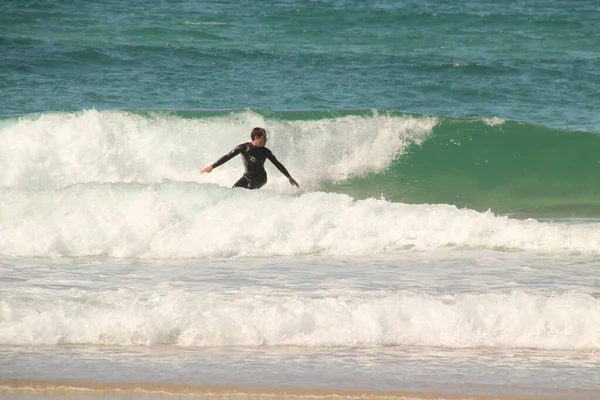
(531,61)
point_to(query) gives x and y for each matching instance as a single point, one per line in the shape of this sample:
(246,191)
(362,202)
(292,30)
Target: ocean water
(444,242)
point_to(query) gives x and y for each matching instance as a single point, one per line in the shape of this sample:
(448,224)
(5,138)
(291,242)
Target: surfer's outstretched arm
(282,169)
(237,150)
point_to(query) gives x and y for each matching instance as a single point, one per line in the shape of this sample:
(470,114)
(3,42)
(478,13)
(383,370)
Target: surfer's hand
(294,183)
(207,169)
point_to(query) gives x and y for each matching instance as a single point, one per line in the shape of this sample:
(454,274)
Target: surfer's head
(259,137)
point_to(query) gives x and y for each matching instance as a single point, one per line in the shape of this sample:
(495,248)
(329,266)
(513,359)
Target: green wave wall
(512,168)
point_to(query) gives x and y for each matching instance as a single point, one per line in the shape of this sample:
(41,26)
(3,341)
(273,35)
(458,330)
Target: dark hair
(260,132)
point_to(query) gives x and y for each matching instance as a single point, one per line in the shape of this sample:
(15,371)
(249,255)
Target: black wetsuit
(254,160)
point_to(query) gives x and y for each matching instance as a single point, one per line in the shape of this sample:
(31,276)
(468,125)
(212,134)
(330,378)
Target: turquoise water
(531,61)
(444,239)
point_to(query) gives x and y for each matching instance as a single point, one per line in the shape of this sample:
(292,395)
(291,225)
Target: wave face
(509,167)
(129,318)
(512,168)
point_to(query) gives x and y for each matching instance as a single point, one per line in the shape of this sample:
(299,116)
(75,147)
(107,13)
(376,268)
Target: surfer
(254,155)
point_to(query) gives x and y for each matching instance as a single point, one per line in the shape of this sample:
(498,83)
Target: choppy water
(444,239)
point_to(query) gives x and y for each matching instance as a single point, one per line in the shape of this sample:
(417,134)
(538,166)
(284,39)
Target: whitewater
(112,242)
(443,243)
(220,305)
(59,149)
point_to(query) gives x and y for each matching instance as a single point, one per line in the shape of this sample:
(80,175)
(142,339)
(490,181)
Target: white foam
(494,121)
(510,320)
(183,220)
(57,150)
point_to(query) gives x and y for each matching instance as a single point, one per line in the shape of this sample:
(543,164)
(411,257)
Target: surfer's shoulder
(243,147)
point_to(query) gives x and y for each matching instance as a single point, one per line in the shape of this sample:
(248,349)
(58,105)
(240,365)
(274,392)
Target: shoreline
(165,390)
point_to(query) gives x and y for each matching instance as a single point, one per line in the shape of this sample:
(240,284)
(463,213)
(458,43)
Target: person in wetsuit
(254,155)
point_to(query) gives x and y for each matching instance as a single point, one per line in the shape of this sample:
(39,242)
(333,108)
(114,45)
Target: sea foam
(176,317)
(61,149)
(173,220)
